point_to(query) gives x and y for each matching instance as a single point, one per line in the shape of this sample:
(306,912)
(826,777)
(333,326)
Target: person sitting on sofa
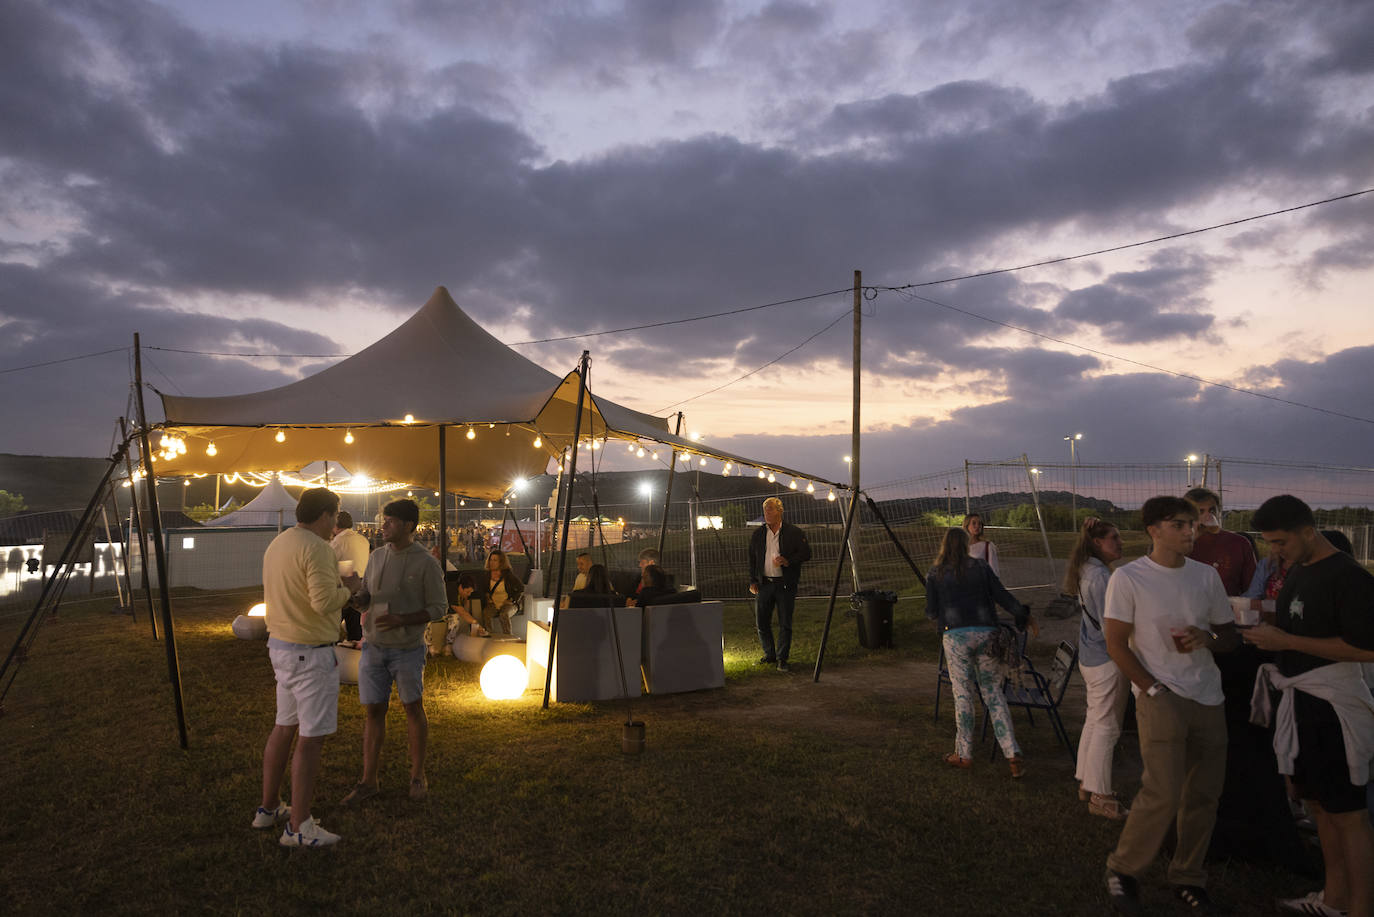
(461,612)
(503,593)
(598,584)
(653,584)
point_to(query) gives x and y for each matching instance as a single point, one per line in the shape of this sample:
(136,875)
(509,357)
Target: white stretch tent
(271,505)
(444,371)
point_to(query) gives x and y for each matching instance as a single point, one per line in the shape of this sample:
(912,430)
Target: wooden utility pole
(854,429)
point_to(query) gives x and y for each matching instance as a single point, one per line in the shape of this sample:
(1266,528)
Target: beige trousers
(1183,747)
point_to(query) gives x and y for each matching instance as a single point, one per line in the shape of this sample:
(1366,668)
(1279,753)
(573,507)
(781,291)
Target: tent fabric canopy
(443,370)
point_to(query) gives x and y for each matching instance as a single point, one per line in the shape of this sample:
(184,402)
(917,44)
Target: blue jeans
(773,595)
(380,665)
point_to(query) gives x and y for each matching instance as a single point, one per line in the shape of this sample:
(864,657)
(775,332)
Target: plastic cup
(1180,634)
(345,568)
(1245,615)
(1268,610)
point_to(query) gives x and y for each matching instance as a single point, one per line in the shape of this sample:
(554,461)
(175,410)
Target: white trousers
(1107,690)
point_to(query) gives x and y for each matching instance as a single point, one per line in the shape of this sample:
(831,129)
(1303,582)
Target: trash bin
(874,610)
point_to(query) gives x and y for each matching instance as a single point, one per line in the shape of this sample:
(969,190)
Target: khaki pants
(1183,747)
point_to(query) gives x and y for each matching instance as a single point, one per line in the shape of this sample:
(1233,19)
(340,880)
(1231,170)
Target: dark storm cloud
(1130,417)
(1156,304)
(184,165)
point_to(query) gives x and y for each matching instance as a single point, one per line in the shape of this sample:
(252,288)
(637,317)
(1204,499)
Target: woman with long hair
(978,546)
(961,595)
(1097,546)
(503,591)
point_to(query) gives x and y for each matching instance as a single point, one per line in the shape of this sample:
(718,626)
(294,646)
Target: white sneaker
(1313,903)
(480,631)
(310,835)
(270,818)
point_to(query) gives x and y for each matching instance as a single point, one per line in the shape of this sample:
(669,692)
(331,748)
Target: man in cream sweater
(304,595)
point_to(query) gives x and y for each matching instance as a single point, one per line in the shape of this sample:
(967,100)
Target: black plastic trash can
(874,610)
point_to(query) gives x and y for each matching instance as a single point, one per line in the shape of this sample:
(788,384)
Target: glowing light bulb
(348,437)
(491,426)
(538,442)
(810,487)
(630,447)
(639,453)
(792,486)
(471,433)
(654,456)
(210,449)
(490,505)
(771,477)
(830,496)
(761,474)
(410,418)
(703,461)
(462,503)
(281,436)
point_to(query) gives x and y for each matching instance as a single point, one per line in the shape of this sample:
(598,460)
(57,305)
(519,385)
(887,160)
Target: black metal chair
(1038,691)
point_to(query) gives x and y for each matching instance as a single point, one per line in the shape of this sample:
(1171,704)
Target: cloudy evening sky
(296,176)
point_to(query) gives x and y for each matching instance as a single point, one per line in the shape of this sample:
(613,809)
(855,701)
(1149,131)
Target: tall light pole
(1190,459)
(1072,439)
(647,489)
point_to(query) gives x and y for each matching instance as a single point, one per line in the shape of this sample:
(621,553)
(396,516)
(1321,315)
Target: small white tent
(270,507)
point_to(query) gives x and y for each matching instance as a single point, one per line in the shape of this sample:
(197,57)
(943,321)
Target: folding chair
(1040,692)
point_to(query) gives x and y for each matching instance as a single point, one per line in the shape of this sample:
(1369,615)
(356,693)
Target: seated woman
(503,593)
(653,583)
(461,613)
(598,584)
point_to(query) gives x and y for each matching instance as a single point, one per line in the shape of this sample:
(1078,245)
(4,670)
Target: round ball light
(503,678)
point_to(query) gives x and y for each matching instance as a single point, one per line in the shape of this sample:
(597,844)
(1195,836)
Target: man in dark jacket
(776,554)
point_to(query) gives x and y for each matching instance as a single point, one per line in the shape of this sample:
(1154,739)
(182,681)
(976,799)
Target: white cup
(345,568)
(1244,614)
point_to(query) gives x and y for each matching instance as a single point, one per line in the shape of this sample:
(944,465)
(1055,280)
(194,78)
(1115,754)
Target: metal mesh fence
(1016,497)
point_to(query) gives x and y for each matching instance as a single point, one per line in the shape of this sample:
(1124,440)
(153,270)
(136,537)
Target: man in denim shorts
(404,591)
(304,595)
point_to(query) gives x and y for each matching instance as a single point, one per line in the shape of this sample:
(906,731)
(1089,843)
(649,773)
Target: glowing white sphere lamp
(503,678)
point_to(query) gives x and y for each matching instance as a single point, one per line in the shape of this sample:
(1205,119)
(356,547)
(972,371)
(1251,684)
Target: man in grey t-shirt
(404,591)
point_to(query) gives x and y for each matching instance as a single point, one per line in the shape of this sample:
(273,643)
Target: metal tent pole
(563,556)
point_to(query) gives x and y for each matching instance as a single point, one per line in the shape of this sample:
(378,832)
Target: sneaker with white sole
(309,835)
(270,818)
(1313,903)
(1124,892)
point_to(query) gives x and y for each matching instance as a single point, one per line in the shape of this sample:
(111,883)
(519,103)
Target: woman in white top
(1097,546)
(978,546)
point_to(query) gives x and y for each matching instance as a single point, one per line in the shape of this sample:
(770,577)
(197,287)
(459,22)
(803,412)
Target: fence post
(1035,497)
(692,510)
(967,505)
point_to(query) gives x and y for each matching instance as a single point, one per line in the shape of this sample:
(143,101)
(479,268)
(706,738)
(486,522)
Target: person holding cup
(351,551)
(1179,709)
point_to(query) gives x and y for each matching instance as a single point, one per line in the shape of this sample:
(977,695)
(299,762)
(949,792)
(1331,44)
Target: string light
(491,426)
(410,418)
(830,496)
(761,473)
(490,505)
(538,441)
(462,503)
(655,456)
(703,460)
(472,434)
(771,478)
(281,436)
(210,449)
(640,452)
(810,487)
(793,485)
(348,438)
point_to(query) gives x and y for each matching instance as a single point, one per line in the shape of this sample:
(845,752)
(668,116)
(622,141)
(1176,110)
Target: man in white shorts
(403,594)
(1165,616)
(304,595)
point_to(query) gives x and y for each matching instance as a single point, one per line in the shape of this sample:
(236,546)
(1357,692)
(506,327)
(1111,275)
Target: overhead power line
(84,356)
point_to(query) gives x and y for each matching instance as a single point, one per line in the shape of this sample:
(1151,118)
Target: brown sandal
(953,760)
(1108,806)
(1017,765)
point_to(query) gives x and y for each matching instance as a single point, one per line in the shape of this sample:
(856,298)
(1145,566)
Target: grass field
(773,795)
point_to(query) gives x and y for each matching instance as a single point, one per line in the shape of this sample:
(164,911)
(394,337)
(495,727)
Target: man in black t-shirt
(1325,617)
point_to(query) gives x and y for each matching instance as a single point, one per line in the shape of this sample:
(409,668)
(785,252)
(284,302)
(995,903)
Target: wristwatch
(1156,689)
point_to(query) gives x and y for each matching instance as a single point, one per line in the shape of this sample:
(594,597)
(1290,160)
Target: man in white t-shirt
(1165,616)
(350,545)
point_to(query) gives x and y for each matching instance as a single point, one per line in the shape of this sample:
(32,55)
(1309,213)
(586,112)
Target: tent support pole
(835,584)
(563,553)
(155,520)
(668,492)
(855,427)
(136,515)
(443,497)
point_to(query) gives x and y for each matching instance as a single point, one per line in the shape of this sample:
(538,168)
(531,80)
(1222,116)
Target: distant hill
(51,483)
